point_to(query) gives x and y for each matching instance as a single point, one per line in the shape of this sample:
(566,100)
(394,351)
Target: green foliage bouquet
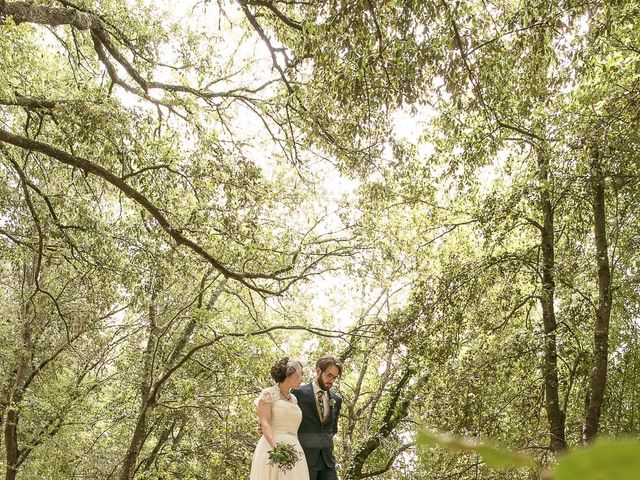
(284,456)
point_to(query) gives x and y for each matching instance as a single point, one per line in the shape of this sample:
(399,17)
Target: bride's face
(295,379)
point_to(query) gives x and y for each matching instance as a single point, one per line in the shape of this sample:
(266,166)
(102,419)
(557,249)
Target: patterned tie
(321,404)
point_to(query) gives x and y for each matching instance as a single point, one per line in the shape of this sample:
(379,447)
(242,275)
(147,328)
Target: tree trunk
(19,379)
(151,384)
(11,443)
(147,401)
(397,410)
(555,415)
(598,379)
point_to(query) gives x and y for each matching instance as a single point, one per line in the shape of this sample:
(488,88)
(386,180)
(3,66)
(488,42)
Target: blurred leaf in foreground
(493,455)
(604,460)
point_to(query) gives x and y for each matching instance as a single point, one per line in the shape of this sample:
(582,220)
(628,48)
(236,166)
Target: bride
(279,417)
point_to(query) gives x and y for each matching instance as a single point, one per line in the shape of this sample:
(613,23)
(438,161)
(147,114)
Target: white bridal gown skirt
(262,470)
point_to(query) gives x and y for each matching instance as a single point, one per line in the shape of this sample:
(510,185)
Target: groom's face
(327,378)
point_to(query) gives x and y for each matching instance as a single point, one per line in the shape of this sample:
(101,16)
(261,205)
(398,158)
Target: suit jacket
(316,437)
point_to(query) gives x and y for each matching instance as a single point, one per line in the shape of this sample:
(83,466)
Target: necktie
(321,404)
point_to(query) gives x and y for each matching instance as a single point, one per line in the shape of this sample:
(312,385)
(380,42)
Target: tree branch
(397,409)
(269,5)
(25,12)
(245,278)
(272,51)
(390,462)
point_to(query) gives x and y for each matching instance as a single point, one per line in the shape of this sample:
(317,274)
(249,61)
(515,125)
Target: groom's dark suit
(316,437)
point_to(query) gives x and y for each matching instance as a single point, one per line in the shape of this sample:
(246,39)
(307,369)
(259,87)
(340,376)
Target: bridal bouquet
(284,456)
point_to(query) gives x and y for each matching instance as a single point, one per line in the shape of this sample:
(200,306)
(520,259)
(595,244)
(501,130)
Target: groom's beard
(323,385)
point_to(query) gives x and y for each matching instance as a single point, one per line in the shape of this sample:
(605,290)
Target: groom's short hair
(326,361)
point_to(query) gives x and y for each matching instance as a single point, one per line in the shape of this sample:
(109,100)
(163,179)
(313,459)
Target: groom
(320,411)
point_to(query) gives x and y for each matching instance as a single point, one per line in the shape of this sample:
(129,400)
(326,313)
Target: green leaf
(604,460)
(494,455)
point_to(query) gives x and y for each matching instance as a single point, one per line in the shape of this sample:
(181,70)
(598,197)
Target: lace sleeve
(268,395)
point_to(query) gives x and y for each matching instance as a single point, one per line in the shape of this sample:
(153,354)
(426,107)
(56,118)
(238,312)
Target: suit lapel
(311,399)
(329,418)
(332,399)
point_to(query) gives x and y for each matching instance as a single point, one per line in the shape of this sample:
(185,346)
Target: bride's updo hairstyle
(285,368)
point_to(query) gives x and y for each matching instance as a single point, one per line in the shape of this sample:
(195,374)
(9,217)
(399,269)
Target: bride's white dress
(285,419)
